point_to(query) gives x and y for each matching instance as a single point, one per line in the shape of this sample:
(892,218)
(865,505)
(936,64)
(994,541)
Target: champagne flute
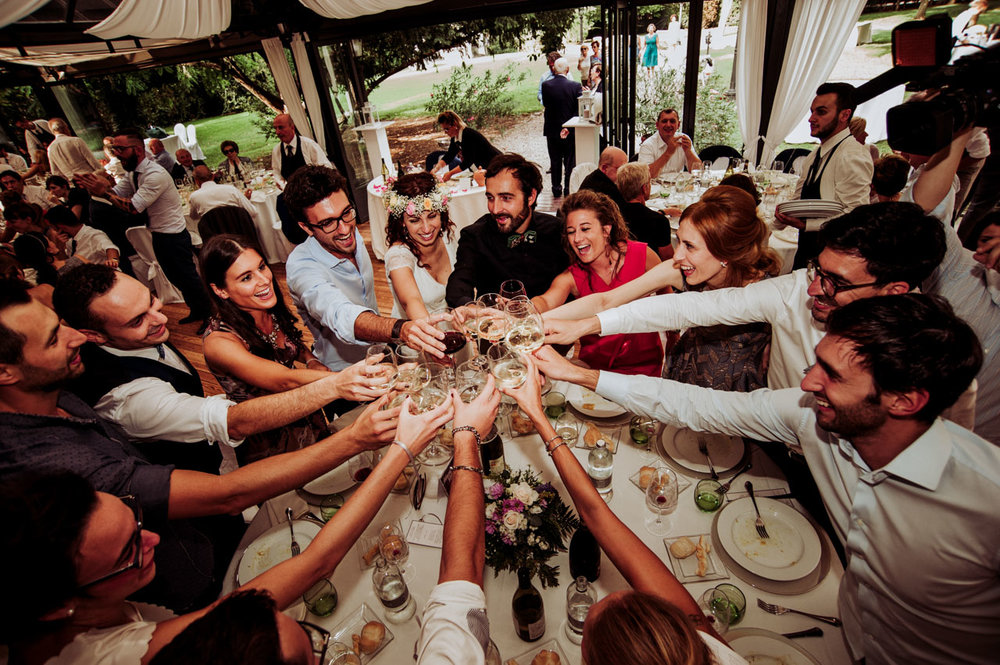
(524,326)
(506,366)
(380,364)
(661,499)
(512,288)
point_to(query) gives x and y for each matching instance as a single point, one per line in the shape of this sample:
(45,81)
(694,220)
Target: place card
(424,533)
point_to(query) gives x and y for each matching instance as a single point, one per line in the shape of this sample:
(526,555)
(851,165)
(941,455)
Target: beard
(855,419)
(131,162)
(506,224)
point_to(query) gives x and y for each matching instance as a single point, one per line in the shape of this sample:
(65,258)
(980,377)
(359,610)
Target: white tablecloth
(354,585)
(467,204)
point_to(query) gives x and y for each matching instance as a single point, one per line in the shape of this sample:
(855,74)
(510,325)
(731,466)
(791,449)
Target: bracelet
(406,450)
(468,428)
(553,448)
(462,467)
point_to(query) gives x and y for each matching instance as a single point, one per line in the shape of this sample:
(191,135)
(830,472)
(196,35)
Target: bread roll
(371,636)
(646,476)
(546,657)
(682,548)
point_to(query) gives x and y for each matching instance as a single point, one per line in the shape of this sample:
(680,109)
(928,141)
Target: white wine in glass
(506,367)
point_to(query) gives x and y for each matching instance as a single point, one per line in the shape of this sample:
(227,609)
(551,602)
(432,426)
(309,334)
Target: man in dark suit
(559,97)
(603,179)
(185,165)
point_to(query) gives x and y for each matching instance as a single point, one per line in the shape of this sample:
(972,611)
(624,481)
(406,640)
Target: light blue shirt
(330,294)
(922,534)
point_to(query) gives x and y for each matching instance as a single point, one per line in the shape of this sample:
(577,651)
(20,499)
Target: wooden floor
(186,339)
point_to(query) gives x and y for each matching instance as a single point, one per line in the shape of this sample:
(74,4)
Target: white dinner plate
(762,647)
(792,550)
(680,445)
(273,547)
(333,481)
(591,404)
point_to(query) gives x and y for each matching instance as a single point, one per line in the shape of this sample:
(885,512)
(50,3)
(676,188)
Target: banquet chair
(181,133)
(789,155)
(147,268)
(713,152)
(192,143)
(579,174)
(228,219)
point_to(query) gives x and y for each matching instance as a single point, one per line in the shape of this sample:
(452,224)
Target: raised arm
(936,180)
(658,277)
(562,286)
(640,566)
(405,287)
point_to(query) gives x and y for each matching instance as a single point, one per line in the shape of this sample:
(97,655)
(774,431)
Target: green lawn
(885,36)
(238,127)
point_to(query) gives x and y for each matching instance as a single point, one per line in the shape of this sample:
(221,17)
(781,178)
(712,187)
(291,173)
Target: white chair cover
(192,143)
(150,272)
(720,164)
(181,133)
(579,174)
(797,165)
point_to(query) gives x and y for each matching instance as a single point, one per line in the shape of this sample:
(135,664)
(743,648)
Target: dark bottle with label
(584,554)
(529,612)
(491,452)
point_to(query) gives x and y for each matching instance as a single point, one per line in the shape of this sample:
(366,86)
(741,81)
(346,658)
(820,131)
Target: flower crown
(398,204)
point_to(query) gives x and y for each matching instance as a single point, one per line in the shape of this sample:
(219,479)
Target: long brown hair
(635,628)
(608,215)
(414,184)
(727,219)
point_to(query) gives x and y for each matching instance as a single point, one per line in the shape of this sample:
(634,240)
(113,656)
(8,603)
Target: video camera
(968,88)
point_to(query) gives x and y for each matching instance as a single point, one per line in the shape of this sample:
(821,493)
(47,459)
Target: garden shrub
(476,99)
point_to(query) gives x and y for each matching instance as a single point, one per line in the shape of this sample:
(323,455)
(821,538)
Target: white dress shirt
(945,207)
(847,177)
(651,149)
(150,408)
(156,195)
(37,195)
(311,152)
(211,195)
(69,155)
(330,294)
(922,534)
(91,244)
(13,162)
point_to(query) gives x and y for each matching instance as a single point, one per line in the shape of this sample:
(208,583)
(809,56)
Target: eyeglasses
(136,545)
(320,638)
(228,151)
(831,284)
(121,148)
(331,224)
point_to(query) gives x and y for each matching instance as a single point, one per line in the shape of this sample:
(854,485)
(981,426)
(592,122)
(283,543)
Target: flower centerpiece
(526,521)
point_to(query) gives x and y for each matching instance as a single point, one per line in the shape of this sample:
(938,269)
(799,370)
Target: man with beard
(513,241)
(149,188)
(912,496)
(45,428)
(838,170)
(331,279)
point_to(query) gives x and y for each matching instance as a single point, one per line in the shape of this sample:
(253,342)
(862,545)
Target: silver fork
(703,449)
(758,523)
(724,487)
(291,529)
(779,610)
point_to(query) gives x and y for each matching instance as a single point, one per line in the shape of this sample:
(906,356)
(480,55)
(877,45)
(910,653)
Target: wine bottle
(580,596)
(529,611)
(584,555)
(491,452)
(385,171)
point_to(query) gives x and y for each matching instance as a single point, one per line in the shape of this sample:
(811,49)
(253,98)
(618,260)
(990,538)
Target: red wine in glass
(361,474)
(453,341)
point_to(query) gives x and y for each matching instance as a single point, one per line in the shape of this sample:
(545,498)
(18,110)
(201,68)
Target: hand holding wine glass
(380,367)
(481,411)
(491,321)
(507,366)
(528,394)
(524,325)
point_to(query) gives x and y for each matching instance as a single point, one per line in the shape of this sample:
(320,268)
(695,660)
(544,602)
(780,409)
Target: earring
(71,611)
(723,264)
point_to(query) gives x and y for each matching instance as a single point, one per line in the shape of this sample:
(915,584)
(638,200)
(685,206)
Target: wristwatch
(397,330)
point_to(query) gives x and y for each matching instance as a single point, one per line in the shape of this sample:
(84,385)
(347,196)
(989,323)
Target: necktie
(72,247)
(135,180)
(814,168)
(161,351)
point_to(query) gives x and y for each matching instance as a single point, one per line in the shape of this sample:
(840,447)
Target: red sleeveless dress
(635,353)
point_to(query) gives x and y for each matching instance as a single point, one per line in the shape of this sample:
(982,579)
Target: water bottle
(392,592)
(600,465)
(579,598)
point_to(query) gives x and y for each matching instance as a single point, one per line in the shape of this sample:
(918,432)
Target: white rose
(512,520)
(535,510)
(490,509)
(522,492)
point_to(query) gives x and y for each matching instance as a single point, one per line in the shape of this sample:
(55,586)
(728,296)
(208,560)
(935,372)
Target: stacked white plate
(811,208)
(791,560)
(679,448)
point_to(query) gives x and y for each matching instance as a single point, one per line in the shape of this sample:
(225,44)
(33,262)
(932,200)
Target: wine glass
(491,321)
(512,288)
(524,326)
(661,499)
(380,364)
(470,379)
(506,366)
(392,544)
(360,466)
(433,394)
(778,165)
(454,339)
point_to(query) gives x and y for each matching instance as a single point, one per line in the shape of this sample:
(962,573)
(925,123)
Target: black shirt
(647,225)
(598,181)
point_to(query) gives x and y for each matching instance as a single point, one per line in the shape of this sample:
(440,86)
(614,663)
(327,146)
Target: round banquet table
(466,205)
(354,586)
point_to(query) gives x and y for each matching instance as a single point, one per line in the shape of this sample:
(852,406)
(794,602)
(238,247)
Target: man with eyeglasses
(331,278)
(149,188)
(912,496)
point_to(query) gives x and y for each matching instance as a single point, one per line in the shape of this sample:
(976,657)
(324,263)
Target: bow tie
(516,239)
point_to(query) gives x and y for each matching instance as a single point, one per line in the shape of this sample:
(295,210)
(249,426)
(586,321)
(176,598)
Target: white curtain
(308,83)
(352,8)
(817,36)
(15,10)
(750,71)
(287,87)
(167,19)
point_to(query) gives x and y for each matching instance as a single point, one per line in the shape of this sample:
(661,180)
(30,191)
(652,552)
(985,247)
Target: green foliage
(18,103)
(477,98)
(715,113)
(666,90)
